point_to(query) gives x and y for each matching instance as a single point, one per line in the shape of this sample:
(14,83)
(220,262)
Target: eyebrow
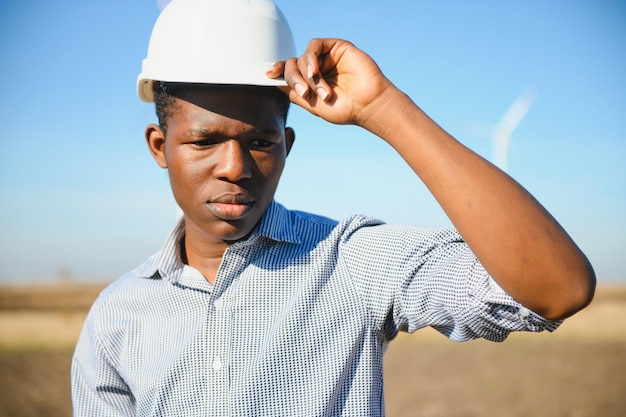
(201,131)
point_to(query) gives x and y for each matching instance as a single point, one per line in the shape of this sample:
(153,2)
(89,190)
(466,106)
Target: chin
(233,233)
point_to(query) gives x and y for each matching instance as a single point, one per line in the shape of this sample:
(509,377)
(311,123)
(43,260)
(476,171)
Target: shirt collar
(276,224)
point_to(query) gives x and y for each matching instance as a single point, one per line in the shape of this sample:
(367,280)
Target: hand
(334,80)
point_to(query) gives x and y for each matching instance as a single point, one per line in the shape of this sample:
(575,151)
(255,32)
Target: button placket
(220,327)
(218,335)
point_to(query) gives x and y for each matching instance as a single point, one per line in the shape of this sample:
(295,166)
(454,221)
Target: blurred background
(82,201)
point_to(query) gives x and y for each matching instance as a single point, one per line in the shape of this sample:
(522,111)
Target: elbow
(575,292)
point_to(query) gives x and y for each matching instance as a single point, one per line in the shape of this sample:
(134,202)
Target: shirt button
(524,312)
(218,304)
(217,365)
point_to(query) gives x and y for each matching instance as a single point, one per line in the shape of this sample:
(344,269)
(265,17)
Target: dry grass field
(578,371)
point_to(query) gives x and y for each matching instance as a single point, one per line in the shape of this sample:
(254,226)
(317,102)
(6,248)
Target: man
(252,309)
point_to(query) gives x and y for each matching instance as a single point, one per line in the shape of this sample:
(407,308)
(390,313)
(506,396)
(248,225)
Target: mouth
(231,206)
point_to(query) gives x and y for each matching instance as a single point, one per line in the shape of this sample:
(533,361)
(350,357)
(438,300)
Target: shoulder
(362,231)
(295,226)
(140,283)
(317,227)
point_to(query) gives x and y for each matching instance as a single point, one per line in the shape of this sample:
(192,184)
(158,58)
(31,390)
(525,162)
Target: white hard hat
(216,42)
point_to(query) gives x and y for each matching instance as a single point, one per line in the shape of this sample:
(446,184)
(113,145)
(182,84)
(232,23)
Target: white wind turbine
(503,130)
(161,4)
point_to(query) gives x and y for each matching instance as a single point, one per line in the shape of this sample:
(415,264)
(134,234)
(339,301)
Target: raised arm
(518,242)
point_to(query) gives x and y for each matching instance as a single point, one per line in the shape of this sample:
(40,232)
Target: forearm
(519,243)
(521,246)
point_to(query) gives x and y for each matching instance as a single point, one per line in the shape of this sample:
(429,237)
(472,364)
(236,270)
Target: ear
(290,138)
(156,143)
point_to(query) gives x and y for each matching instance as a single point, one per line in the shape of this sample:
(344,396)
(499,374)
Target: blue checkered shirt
(296,323)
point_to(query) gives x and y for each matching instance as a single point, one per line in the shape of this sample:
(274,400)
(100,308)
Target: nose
(233,162)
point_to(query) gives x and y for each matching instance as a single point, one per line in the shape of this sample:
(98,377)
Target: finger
(284,69)
(309,67)
(311,62)
(276,71)
(297,88)
(294,78)
(295,98)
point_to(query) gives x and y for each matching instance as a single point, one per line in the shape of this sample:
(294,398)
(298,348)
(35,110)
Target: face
(224,152)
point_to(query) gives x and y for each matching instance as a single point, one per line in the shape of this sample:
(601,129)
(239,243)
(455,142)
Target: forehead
(228,116)
(245,103)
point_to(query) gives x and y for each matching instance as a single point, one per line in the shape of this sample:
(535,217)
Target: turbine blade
(514,115)
(510,120)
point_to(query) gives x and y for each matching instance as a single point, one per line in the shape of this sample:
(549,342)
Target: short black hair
(166,92)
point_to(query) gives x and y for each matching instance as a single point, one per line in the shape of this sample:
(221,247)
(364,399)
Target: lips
(231,206)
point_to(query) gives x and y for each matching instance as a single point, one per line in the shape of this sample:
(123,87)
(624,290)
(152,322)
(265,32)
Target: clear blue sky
(80,193)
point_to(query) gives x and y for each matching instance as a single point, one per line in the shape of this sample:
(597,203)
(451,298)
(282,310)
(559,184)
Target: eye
(203,143)
(261,143)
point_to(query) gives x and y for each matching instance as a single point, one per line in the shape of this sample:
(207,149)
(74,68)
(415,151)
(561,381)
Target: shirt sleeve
(412,278)
(97,387)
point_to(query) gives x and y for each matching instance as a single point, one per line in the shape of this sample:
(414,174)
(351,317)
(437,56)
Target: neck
(202,253)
